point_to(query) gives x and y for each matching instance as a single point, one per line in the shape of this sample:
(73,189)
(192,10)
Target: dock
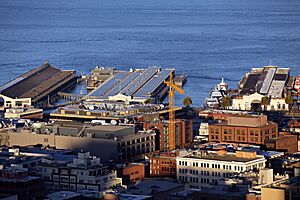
(180,80)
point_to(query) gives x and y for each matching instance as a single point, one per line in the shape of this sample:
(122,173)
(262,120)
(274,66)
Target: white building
(83,173)
(201,169)
(245,102)
(203,132)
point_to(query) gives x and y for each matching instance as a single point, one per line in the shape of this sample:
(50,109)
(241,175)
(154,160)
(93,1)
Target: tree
(290,101)
(265,101)
(147,101)
(187,101)
(226,101)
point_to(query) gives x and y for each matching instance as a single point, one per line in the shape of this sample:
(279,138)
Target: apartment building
(163,164)
(250,129)
(85,172)
(134,171)
(17,181)
(202,169)
(183,132)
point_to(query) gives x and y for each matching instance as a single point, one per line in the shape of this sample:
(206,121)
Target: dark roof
(36,82)
(280,77)
(250,84)
(30,80)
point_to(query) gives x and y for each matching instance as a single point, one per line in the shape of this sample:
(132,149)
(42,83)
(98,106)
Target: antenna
(270,62)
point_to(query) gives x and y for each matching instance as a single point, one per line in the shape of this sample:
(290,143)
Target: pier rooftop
(135,86)
(36,86)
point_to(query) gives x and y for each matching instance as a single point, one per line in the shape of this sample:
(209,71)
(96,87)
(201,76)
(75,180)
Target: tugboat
(214,100)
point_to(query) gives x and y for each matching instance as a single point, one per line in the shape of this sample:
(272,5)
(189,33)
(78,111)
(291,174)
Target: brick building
(163,164)
(252,129)
(184,133)
(284,142)
(135,172)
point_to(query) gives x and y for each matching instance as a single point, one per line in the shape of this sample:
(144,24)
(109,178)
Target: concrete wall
(9,102)
(251,121)
(272,193)
(104,148)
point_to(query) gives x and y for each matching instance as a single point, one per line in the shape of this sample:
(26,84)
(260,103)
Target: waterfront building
(249,102)
(270,81)
(139,86)
(202,169)
(250,129)
(36,87)
(85,172)
(23,113)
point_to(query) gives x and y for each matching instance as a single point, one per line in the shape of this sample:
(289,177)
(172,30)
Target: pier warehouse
(35,87)
(138,85)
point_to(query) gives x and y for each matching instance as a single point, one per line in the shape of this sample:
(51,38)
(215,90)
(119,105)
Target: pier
(70,96)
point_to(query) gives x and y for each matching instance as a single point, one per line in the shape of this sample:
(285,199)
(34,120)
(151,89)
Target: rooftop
(36,82)
(217,157)
(62,195)
(147,186)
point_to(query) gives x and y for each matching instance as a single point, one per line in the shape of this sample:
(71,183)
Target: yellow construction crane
(171,130)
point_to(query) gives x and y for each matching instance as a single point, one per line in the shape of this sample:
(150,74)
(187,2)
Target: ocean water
(204,39)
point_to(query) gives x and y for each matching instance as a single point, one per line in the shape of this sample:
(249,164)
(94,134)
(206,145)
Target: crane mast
(171,129)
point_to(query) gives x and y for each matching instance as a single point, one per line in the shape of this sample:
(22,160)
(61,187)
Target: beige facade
(244,102)
(15,103)
(272,193)
(106,149)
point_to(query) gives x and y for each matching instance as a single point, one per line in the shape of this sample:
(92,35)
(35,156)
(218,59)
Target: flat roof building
(119,143)
(203,169)
(85,172)
(250,129)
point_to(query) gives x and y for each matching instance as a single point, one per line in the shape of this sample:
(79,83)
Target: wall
(272,193)
(105,149)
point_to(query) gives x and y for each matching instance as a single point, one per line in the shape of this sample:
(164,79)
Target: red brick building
(250,129)
(284,142)
(163,164)
(183,131)
(135,172)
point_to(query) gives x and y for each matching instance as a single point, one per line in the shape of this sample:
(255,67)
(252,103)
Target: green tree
(290,101)
(226,102)
(265,101)
(187,101)
(147,101)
